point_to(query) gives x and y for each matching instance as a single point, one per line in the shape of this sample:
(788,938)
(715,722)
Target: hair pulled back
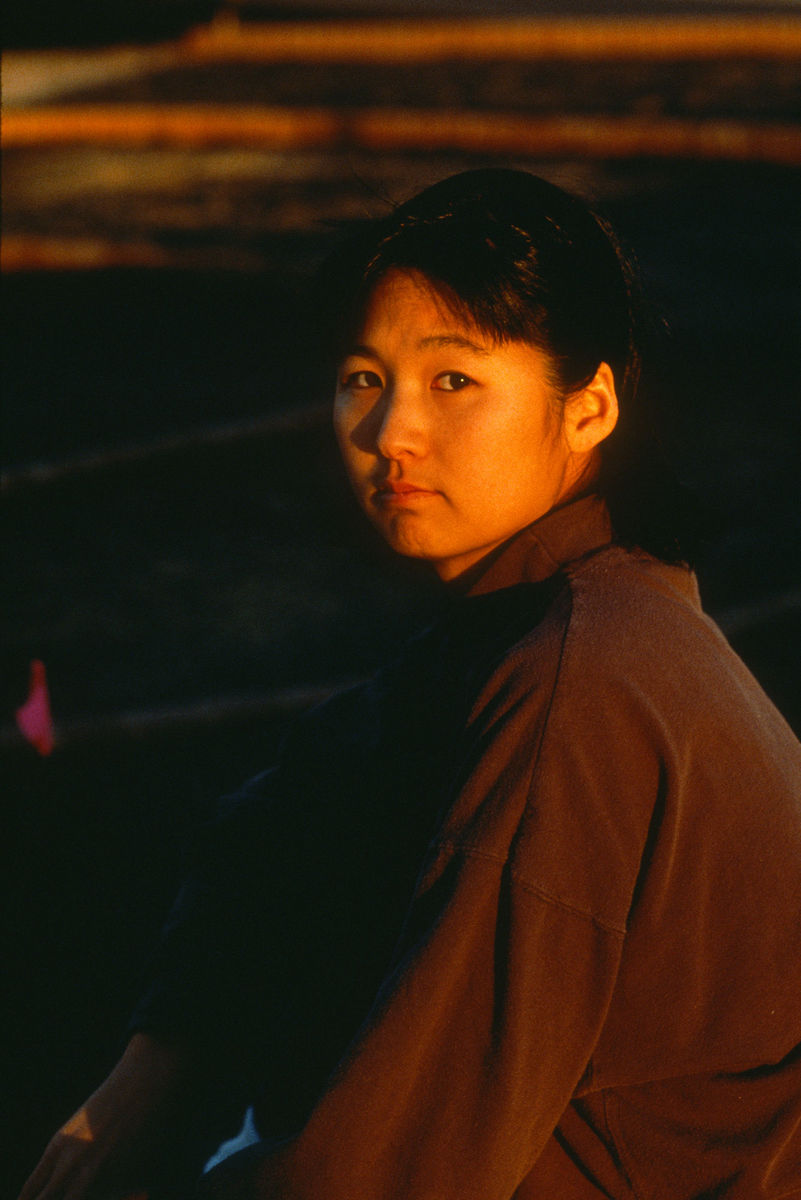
(522,260)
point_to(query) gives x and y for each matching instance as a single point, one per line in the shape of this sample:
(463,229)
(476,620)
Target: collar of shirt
(538,551)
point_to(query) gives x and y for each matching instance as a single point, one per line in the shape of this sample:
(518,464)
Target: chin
(409,547)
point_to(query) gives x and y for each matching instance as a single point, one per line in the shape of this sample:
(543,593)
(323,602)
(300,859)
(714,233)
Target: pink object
(34,719)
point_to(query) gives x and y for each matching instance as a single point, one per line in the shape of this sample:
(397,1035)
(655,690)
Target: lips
(398,490)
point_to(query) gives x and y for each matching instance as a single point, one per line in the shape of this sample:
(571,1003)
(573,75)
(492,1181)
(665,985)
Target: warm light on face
(452,442)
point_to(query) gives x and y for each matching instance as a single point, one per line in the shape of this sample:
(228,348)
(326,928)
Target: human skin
(108,1148)
(453,441)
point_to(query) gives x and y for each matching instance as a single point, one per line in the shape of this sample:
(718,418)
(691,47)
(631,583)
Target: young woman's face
(452,442)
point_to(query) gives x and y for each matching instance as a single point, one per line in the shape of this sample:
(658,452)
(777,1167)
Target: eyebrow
(452,339)
(436,339)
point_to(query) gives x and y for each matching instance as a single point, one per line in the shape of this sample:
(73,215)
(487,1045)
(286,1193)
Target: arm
(485,1029)
(466,1064)
(114,1143)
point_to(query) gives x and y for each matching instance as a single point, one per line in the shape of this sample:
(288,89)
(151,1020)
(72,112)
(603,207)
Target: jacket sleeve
(485,1029)
(470,1056)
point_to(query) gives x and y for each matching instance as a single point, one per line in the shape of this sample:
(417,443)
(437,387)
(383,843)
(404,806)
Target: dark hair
(522,260)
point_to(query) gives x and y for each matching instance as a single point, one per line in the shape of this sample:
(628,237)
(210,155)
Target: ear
(591,414)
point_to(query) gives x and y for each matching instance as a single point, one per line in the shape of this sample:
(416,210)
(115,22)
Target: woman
(521,916)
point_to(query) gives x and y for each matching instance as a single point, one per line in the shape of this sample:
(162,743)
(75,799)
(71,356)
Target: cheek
(340,433)
(356,462)
(521,472)
(516,444)
(540,436)
(343,429)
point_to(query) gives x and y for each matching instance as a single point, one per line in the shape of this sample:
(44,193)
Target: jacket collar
(535,553)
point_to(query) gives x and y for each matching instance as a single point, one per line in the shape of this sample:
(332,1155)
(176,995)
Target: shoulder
(614,617)
(653,714)
(638,637)
(620,596)
(644,673)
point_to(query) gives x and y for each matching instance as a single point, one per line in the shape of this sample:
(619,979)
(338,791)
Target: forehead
(407,298)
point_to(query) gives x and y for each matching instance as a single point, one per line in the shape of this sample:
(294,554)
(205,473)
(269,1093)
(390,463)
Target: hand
(109,1148)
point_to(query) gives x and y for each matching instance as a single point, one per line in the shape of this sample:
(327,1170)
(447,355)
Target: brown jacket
(587,982)
(600,993)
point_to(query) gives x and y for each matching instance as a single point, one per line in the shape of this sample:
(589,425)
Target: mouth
(400,491)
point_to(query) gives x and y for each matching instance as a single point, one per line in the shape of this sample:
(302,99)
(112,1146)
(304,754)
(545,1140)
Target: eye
(452,381)
(361,380)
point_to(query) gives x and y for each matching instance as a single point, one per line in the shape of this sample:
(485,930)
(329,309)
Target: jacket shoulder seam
(498,860)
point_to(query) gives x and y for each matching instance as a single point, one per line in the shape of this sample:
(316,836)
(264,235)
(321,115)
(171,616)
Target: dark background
(179,547)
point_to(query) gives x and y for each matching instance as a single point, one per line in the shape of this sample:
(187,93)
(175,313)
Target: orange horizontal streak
(405,129)
(190,125)
(34,252)
(473,39)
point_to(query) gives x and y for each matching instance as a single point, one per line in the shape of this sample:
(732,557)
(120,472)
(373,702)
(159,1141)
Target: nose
(402,424)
